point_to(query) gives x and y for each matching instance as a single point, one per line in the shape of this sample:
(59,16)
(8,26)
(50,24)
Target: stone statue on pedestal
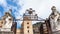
(54,19)
(8,21)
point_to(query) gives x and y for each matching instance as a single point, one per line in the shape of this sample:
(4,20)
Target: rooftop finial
(29,10)
(10,10)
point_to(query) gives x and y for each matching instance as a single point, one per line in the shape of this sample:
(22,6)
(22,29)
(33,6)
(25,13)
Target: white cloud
(42,7)
(35,4)
(3,3)
(21,2)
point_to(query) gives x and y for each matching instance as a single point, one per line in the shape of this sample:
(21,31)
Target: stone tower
(27,27)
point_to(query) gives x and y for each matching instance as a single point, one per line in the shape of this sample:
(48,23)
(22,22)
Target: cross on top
(30,10)
(10,10)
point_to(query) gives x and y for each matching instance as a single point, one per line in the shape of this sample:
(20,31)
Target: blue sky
(42,7)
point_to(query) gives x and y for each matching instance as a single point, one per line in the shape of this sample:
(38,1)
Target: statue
(8,22)
(54,19)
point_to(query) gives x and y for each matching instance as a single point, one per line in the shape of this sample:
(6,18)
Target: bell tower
(27,21)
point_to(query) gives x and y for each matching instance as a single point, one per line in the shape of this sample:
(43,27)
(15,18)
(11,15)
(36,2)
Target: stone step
(6,32)
(56,32)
